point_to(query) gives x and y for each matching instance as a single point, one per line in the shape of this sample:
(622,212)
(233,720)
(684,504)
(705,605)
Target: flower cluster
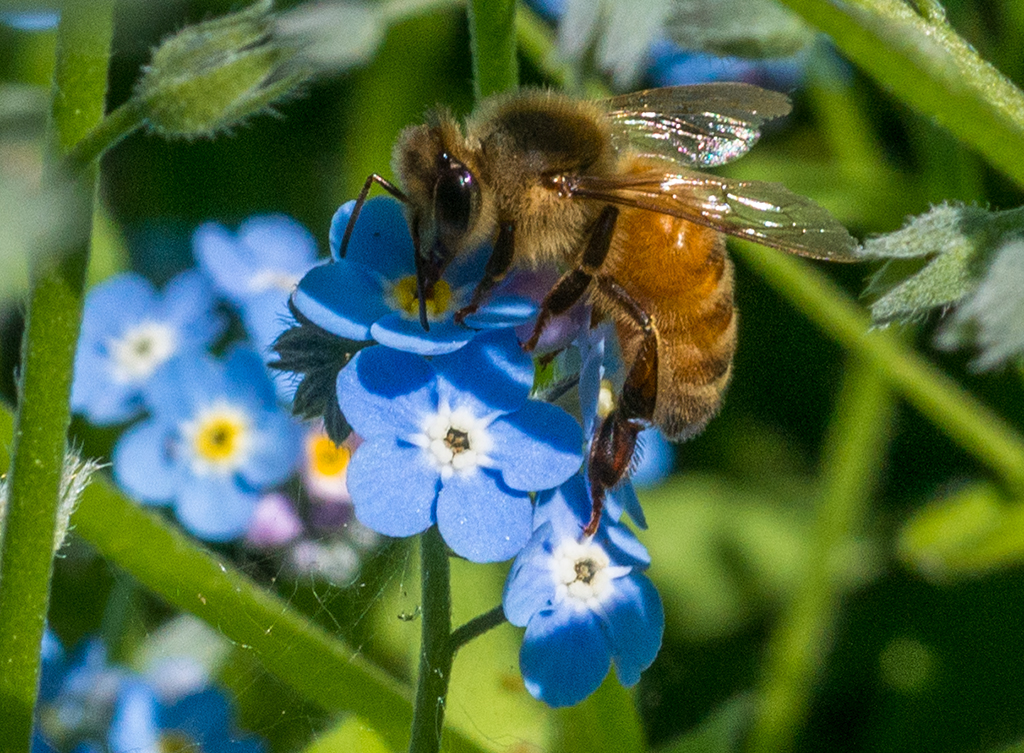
(206,431)
(86,704)
(452,433)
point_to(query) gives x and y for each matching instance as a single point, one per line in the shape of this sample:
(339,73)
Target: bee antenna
(384,183)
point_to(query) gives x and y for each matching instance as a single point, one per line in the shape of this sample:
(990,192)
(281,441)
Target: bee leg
(387,185)
(612,449)
(498,264)
(573,284)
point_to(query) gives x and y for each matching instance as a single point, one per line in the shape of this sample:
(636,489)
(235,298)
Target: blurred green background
(913,663)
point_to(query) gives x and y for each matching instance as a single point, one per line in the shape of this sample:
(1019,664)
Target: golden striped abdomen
(677,272)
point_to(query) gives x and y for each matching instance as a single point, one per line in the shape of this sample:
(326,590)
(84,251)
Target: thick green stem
(40,436)
(493,39)
(955,411)
(436,649)
(798,647)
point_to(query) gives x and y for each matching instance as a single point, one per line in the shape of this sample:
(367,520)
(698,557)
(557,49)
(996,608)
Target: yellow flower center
(220,438)
(176,742)
(405,299)
(326,458)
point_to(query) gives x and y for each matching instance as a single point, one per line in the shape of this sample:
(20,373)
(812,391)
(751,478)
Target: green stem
(493,40)
(927,64)
(477,627)
(108,133)
(797,649)
(955,411)
(51,332)
(436,652)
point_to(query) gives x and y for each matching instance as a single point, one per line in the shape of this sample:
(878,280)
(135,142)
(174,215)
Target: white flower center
(272,279)
(583,574)
(220,439)
(456,441)
(141,350)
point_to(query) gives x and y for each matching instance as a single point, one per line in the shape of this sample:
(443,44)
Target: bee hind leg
(573,284)
(613,447)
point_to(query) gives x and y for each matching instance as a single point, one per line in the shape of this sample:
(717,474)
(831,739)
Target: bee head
(444,198)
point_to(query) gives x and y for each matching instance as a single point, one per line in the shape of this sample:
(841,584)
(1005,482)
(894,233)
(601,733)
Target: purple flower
(454,441)
(585,602)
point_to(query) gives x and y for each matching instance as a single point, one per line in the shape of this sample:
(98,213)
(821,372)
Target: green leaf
(973,531)
(744,28)
(993,316)
(721,732)
(607,720)
(351,734)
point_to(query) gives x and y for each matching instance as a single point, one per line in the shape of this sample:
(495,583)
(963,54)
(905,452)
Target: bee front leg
(498,264)
(613,447)
(573,284)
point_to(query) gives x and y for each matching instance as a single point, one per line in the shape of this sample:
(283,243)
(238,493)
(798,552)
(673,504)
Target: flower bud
(213,75)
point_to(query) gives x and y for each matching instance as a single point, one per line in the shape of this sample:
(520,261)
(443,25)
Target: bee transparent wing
(701,125)
(766,213)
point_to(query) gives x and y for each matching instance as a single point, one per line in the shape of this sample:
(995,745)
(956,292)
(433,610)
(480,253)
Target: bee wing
(766,213)
(701,125)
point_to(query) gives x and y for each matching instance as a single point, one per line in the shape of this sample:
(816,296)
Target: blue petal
(134,725)
(530,585)
(214,508)
(343,297)
(275,452)
(188,305)
(185,385)
(143,466)
(115,304)
(398,331)
(623,497)
(566,508)
(277,242)
(246,378)
(95,395)
(217,251)
(490,373)
(380,239)
(481,519)
(564,656)
(387,392)
(503,311)
(655,456)
(205,719)
(265,317)
(622,546)
(635,623)
(592,349)
(537,447)
(393,487)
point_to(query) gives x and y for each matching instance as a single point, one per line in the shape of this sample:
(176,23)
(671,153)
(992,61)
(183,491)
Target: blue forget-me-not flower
(371,293)
(214,439)
(129,331)
(257,268)
(585,603)
(454,441)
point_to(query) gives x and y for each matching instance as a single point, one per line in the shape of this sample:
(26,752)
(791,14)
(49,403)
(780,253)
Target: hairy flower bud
(213,75)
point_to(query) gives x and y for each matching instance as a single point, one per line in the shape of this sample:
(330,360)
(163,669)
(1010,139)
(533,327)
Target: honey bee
(609,192)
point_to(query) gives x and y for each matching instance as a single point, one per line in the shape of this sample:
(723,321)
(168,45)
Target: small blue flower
(454,441)
(585,603)
(31,20)
(129,331)
(98,706)
(371,293)
(257,269)
(671,65)
(214,439)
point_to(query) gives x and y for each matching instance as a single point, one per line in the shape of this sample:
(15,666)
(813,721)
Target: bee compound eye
(456,197)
